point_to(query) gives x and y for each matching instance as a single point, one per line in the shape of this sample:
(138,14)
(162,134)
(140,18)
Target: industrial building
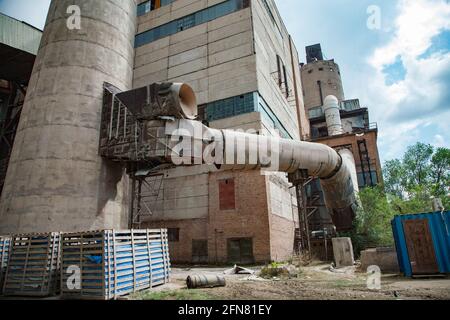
(321,78)
(244,68)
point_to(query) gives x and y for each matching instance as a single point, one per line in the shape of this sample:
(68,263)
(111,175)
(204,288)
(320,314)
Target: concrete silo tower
(56,180)
(320,78)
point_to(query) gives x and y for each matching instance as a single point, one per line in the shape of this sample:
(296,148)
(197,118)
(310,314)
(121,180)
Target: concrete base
(343,252)
(385,258)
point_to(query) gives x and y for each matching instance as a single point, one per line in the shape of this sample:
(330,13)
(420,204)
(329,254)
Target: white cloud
(440,142)
(409,108)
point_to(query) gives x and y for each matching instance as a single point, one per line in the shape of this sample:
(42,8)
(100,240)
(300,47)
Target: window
(269,11)
(282,76)
(227,197)
(286,82)
(173,234)
(231,107)
(367,179)
(192,20)
(279,66)
(151,5)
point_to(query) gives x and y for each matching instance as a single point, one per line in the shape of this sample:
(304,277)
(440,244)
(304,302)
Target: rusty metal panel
(227,195)
(420,247)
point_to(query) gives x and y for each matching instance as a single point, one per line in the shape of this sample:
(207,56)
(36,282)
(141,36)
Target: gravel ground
(312,283)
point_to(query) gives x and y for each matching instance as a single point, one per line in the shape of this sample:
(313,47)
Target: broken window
(151,5)
(286,82)
(173,234)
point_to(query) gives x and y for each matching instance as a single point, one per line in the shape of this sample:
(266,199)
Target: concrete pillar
(343,252)
(56,180)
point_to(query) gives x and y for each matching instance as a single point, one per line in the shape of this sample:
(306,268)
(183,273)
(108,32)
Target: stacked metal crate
(108,264)
(5,242)
(33,266)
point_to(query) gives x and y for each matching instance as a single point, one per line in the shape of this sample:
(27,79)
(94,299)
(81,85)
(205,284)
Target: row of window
(151,5)
(190,21)
(243,104)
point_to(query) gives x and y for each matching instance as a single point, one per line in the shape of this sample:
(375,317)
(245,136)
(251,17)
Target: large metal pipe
(56,179)
(241,151)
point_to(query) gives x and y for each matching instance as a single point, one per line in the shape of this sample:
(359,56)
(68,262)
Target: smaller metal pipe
(333,116)
(205,281)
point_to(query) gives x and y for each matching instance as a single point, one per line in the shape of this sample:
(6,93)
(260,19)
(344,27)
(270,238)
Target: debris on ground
(253,278)
(238,270)
(344,270)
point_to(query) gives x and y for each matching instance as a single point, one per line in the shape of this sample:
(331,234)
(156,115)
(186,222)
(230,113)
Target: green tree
(409,185)
(417,164)
(421,174)
(395,178)
(440,172)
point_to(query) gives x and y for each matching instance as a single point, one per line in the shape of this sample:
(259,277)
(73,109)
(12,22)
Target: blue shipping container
(438,224)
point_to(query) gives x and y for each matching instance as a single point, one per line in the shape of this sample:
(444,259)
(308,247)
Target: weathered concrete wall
(283,217)
(56,180)
(183,194)
(216,58)
(272,39)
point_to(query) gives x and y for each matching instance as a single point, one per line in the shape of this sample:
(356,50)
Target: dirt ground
(315,282)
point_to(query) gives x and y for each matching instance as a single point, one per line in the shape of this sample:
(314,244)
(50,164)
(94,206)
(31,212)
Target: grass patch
(175,295)
(354,284)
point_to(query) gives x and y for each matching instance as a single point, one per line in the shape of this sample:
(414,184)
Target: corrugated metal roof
(439,224)
(19,35)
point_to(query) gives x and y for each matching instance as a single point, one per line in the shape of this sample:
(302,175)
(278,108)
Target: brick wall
(248,220)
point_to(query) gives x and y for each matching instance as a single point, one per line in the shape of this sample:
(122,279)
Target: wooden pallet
(113,263)
(33,266)
(5,242)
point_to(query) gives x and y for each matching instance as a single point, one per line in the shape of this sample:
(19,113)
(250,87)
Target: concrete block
(385,258)
(343,252)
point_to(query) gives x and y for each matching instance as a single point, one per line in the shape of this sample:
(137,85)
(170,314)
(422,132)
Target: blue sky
(401,71)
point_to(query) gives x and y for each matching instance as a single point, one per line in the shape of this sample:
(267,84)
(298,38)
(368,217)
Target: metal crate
(108,264)
(33,266)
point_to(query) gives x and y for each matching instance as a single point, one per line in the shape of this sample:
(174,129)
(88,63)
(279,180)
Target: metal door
(240,251)
(420,247)
(200,251)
